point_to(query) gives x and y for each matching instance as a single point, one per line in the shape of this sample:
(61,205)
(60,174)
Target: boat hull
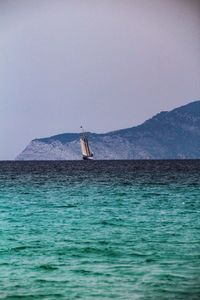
(88,157)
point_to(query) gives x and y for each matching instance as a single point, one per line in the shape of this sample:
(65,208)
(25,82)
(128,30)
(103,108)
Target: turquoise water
(100,230)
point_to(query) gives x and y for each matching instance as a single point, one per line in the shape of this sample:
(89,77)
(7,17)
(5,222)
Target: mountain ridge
(171,134)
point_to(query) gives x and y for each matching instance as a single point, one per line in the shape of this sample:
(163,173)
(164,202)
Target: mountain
(168,135)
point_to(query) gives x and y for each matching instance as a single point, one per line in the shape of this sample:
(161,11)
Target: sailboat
(86,152)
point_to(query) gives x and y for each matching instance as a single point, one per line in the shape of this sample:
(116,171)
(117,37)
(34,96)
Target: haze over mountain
(104,64)
(168,135)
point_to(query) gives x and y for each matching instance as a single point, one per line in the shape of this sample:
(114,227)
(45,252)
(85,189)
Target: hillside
(168,135)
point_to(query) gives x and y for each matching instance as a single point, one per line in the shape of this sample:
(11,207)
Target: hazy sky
(105,64)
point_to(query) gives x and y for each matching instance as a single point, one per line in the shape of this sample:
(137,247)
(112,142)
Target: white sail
(86,152)
(83,147)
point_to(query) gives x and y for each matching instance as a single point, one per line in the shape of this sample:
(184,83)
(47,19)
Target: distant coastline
(168,135)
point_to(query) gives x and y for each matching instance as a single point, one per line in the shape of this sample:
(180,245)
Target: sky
(103,64)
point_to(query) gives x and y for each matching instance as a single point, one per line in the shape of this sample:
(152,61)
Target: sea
(100,230)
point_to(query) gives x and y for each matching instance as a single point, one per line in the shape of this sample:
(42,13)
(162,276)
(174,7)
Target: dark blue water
(100,230)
